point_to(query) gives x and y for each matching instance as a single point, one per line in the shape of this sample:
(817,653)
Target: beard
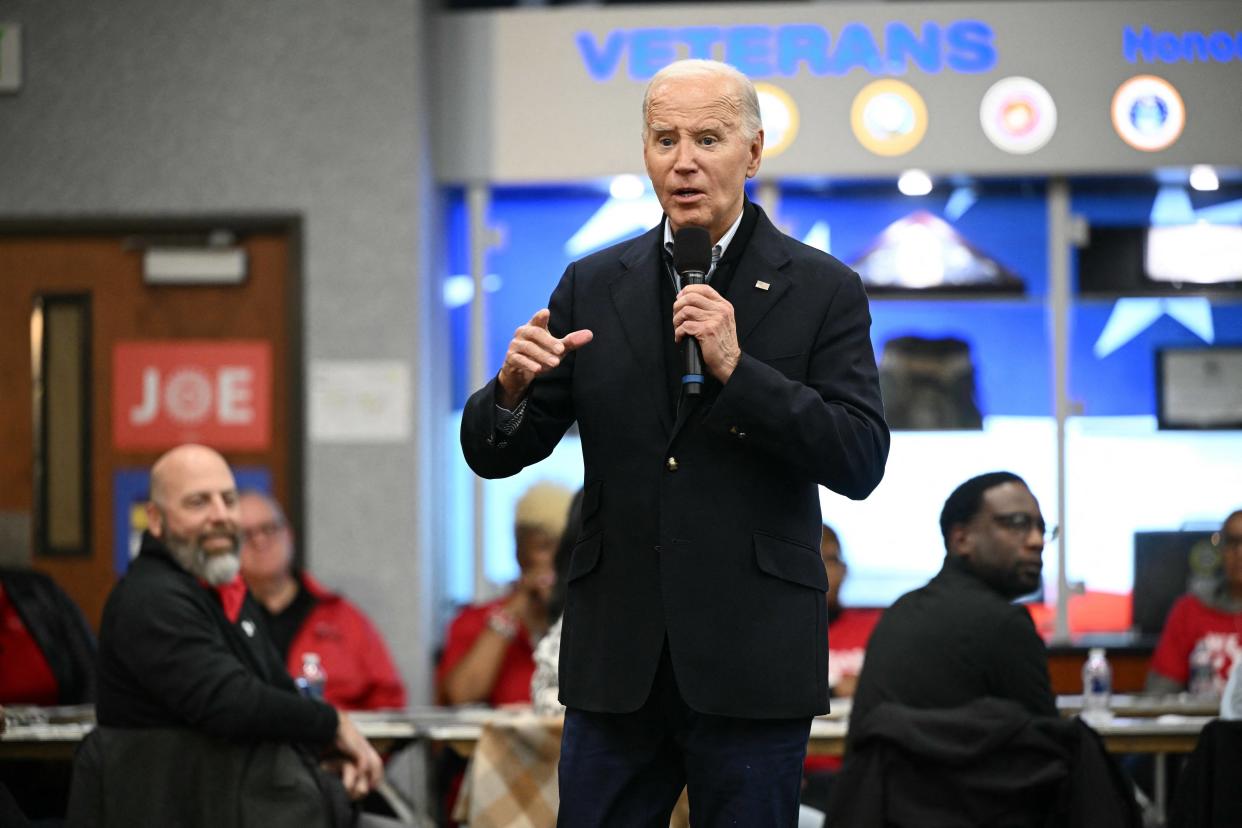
(215,568)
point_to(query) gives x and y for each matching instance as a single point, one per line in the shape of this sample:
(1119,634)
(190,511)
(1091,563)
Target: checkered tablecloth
(511,781)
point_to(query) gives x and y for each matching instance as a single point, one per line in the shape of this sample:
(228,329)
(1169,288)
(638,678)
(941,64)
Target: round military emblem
(1018,115)
(1148,113)
(780,118)
(889,117)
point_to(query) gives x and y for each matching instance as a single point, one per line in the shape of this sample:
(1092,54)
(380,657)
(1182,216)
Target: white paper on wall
(360,401)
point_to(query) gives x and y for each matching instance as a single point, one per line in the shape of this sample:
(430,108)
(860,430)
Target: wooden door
(95,274)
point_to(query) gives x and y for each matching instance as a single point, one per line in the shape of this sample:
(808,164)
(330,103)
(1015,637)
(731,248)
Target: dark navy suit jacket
(701,523)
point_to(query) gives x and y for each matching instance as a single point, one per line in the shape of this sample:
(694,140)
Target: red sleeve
(1172,656)
(385,688)
(462,633)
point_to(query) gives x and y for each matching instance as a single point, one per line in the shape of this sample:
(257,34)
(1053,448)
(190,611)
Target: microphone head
(692,250)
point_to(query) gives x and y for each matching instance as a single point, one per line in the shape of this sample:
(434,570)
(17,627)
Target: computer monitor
(1166,565)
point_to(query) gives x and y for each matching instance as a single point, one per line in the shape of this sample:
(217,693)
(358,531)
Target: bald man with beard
(183,645)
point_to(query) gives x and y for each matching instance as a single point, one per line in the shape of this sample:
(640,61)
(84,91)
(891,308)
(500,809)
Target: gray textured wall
(313,107)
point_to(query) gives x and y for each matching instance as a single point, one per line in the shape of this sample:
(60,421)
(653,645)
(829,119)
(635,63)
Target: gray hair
(747,98)
(266,497)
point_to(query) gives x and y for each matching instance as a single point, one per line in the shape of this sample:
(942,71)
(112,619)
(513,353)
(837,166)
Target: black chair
(988,764)
(1207,794)
(124,777)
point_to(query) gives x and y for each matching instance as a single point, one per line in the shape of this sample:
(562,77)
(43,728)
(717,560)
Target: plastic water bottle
(1202,672)
(1097,687)
(313,678)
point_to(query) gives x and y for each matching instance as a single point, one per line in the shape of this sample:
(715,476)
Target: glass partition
(1125,475)
(959,280)
(958,285)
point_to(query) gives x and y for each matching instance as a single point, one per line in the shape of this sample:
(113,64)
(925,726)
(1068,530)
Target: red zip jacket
(361,674)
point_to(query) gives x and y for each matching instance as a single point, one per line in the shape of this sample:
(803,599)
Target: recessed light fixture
(626,187)
(914,183)
(1203,177)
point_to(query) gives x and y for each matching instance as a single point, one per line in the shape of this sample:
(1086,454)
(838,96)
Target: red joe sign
(216,392)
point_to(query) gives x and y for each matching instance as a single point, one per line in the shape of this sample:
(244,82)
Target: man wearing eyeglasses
(960,638)
(305,618)
(1209,620)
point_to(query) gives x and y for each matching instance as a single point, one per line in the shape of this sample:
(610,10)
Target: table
(1143,706)
(47,733)
(522,748)
(54,732)
(1144,724)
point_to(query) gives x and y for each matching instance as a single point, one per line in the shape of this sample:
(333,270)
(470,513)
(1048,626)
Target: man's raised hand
(534,351)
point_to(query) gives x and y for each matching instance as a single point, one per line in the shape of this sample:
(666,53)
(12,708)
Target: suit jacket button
(671,465)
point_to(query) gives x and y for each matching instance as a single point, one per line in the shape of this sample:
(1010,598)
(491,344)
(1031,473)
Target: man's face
(696,154)
(1231,551)
(834,566)
(267,547)
(196,514)
(1004,543)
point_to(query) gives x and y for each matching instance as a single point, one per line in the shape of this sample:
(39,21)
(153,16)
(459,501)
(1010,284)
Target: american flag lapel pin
(762,285)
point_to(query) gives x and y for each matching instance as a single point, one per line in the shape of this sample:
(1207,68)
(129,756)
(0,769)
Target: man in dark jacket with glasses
(960,637)
(954,719)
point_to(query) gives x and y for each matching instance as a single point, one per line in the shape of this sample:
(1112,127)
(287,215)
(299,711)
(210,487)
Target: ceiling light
(914,183)
(1203,177)
(627,187)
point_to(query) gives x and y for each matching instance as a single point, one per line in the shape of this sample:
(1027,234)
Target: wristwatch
(502,622)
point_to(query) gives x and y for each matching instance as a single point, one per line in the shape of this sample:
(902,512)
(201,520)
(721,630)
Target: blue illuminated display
(964,46)
(1146,46)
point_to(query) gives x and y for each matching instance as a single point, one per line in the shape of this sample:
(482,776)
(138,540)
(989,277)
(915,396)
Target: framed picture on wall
(1199,388)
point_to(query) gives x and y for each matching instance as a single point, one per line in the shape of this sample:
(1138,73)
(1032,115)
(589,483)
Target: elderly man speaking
(692,649)
(184,660)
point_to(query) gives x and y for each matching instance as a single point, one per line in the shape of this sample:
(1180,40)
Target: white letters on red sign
(188,395)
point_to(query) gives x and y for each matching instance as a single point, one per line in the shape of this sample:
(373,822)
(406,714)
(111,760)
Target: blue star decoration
(1130,317)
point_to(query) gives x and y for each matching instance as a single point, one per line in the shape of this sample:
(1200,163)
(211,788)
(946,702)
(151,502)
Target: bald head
(184,464)
(193,510)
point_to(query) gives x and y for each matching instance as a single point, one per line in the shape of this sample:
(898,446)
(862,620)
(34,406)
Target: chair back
(181,777)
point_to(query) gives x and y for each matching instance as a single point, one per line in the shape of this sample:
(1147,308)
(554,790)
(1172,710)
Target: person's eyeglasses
(264,530)
(1022,523)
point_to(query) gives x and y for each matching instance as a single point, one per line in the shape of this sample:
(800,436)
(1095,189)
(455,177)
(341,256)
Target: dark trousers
(628,769)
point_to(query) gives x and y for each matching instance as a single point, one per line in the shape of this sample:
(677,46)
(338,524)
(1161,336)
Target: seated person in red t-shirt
(1213,619)
(304,618)
(489,650)
(848,631)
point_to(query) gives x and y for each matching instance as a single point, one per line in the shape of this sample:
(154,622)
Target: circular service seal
(780,118)
(888,117)
(187,395)
(1148,113)
(1018,115)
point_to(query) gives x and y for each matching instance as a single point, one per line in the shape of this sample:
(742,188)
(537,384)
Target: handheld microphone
(692,257)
